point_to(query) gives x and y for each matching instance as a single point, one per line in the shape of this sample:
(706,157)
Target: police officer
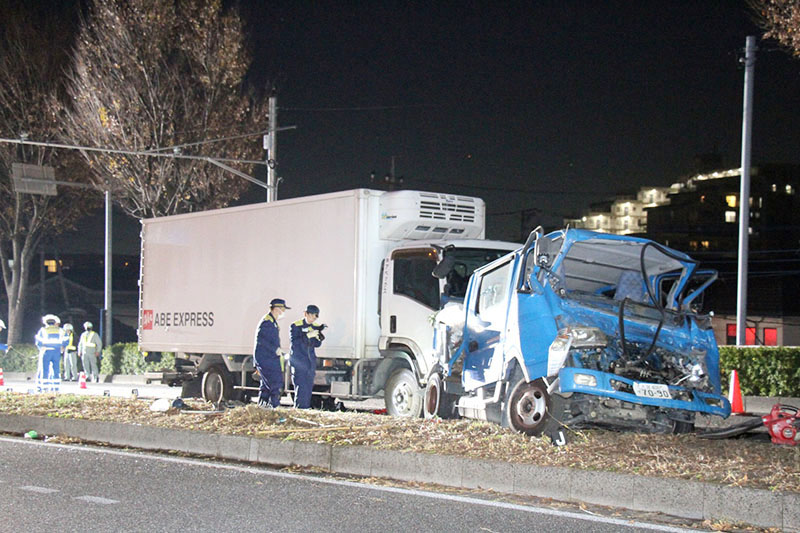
(267,355)
(50,340)
(306,337)
(89,348)
(70,355)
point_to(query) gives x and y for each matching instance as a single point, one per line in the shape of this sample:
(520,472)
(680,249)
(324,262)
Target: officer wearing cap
(306,337)
(267,355)
(50,340)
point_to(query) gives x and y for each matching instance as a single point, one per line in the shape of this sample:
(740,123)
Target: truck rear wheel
(217,385)
(402,394)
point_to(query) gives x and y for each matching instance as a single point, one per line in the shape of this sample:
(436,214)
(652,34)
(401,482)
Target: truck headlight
(583,337)
(587,380)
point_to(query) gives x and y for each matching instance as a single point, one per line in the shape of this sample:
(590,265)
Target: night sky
(548,105)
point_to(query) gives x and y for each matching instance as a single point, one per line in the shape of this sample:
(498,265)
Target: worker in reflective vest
(50,340)
(306,337)
(70,355)
(267,355)
(89,348)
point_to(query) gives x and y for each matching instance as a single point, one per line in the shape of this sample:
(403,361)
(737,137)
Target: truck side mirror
(444,267)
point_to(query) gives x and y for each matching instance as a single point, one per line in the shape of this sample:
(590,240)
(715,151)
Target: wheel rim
(432,397)
(531,407)
(402,398)
(213,387)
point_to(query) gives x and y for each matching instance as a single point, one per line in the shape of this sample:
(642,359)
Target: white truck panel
(207,278)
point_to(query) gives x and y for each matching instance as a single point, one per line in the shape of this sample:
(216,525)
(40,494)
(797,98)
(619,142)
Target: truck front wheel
(527,407)
(402,394)
(437,401)
(217,385)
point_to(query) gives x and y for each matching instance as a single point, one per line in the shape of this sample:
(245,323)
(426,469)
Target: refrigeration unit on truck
(364,257)
(577,329)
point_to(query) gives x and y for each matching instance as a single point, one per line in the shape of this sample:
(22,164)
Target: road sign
(34,179)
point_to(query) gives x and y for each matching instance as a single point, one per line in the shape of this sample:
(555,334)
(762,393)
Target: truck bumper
(613,386)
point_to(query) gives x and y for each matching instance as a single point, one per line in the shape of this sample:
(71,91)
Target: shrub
(125,358)
(763,371)
(20,358)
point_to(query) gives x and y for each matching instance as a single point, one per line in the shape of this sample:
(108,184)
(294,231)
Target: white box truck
(365,257)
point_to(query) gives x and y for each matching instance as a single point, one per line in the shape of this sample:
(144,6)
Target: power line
(131,152)
(364,108)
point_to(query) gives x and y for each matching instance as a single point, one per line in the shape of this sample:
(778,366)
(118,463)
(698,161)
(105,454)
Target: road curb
(683,498)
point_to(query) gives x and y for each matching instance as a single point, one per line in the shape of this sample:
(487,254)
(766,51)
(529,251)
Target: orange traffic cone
(735,394)
(2,381)
(82,383)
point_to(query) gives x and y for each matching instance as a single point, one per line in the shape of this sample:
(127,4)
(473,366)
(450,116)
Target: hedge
(20,358)
(763,371)
(123,358)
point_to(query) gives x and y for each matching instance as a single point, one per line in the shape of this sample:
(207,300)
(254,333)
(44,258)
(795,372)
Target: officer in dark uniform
(267,355)
(306,336)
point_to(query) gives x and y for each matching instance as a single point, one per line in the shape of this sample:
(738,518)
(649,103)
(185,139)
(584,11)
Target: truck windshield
(466,261)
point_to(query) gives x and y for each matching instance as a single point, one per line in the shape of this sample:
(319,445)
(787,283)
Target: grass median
(754,463)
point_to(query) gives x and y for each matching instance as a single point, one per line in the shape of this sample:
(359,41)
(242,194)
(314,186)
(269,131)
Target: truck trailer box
(207,278)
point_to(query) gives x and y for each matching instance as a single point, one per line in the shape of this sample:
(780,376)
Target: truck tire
(436,401)
(527,406)
(217,385)
(402,394)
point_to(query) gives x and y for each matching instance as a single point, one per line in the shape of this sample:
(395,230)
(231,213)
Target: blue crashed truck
(579,329)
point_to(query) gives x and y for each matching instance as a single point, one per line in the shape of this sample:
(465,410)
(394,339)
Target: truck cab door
(487,314)
(410,295)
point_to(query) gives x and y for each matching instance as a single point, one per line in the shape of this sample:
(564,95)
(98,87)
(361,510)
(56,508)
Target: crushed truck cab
(580,328)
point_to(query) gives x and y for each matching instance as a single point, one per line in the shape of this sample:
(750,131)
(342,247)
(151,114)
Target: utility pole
(744,191)
(272,147)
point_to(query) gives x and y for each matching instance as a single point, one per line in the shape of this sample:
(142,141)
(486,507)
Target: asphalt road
(53,487)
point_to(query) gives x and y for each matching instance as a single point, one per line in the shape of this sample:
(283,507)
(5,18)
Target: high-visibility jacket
(90,344)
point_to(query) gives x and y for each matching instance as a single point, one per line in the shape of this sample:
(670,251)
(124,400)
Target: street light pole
(744,191)
(107,331)
(272,147)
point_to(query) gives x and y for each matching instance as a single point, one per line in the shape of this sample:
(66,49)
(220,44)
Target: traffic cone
(2,381)
(735,394)
(82,384)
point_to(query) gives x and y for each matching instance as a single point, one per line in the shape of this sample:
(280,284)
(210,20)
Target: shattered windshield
(614,269)
(466,261)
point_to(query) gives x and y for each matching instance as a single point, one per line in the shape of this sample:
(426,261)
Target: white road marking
(396,490)
(42,490)
(95,499)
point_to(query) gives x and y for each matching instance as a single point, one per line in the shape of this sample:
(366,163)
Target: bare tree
(781,20)
(150,74)
(31,61)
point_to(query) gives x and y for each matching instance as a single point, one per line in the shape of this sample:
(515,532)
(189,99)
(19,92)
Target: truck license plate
(652,390)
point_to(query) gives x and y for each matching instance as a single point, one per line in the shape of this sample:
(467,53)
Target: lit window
(702,198)
(749,335)
(774,188)
(731,200)
(770,337)
(789,189)
(704,244)
(693,245)
(50,265)
(730,216)
(760,202)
